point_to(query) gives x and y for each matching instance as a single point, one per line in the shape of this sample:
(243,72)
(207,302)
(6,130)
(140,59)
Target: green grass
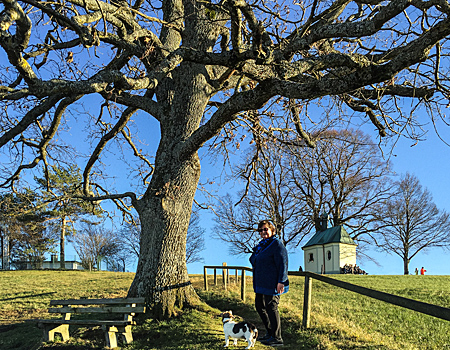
(339,319)
(348,318)
(25,295)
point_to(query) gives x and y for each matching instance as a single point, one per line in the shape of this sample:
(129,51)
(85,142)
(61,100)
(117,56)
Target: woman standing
(270,280)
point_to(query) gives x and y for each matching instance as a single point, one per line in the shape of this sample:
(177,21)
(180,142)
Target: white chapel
(329,250)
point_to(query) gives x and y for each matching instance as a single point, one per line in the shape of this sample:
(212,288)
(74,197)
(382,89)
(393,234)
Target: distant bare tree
(195,241)
(94,243)
(267,196)
(119,261)
(343,176)
(410,222)
(130,234)
(236,225)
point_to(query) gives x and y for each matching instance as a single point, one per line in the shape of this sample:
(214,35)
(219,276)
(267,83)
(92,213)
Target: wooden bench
(127,307)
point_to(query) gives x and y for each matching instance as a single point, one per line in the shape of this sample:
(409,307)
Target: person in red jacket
(422,271)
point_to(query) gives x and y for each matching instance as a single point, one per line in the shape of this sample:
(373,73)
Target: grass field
(339,320)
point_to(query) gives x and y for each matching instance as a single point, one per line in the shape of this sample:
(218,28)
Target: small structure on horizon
(329,250)
(53,264)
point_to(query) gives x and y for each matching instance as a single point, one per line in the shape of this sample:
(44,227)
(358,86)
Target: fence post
(243,285)
(236,278)
(215,277)
(224,277)
(205,279)
(307,302)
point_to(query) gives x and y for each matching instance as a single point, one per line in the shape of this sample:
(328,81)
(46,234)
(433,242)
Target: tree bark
(62,245)
(161,275)
(405,266)
(165,209)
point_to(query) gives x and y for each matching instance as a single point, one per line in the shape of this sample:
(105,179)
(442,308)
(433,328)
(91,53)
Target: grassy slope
(26,295)
(340,319)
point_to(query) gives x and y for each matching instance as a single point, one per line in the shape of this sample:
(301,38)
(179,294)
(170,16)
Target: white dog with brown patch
(235,330)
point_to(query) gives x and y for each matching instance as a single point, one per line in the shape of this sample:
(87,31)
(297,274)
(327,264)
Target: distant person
(270,280)
(416,271)
(422,271)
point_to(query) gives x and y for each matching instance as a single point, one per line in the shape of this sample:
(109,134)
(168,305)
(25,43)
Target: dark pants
(267,307)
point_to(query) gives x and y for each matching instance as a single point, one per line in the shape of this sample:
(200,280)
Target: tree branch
(126,115)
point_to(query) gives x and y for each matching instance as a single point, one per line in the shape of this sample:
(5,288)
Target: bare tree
(129,239)
(268,195)
(201,69)
(119,261)
(129,236)
(94,243)
(343,176)
(195,241)
(409,222)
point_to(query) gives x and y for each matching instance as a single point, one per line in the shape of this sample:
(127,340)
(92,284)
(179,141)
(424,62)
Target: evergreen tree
(61,188)
(23,218)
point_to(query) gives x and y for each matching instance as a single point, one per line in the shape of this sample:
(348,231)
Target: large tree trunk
(165,208)
(161,274)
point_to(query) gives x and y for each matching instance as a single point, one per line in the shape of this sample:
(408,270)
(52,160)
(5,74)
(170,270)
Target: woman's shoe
(266,337)
(273,342)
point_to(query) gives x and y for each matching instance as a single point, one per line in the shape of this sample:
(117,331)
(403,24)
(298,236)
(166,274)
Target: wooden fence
(424,308)
(226,276)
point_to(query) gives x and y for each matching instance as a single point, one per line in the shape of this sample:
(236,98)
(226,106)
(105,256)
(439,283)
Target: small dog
(235,330)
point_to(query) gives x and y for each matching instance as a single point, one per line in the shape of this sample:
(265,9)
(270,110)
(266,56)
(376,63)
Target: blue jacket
(270,267)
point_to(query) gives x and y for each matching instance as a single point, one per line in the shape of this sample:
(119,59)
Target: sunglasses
(263,229)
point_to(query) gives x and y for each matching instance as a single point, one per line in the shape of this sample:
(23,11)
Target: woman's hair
(268,223)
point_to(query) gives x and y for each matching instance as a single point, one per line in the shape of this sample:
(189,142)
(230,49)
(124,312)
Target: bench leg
(50,330)
(127,337)
(111,336)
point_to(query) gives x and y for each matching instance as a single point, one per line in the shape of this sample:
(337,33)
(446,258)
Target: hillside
(340,319)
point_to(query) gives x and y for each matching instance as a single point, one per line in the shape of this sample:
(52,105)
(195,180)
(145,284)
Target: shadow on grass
(201,329)
(194,329)
(81,338)
(21,336)
(294,335)
(28,296)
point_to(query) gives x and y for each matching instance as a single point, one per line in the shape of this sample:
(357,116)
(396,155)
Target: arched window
(329,255)
(311,257)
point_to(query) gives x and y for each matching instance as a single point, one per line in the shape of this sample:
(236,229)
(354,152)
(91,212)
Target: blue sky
(429,160)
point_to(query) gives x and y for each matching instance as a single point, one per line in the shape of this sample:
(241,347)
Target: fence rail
(226,276)
(418,306)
